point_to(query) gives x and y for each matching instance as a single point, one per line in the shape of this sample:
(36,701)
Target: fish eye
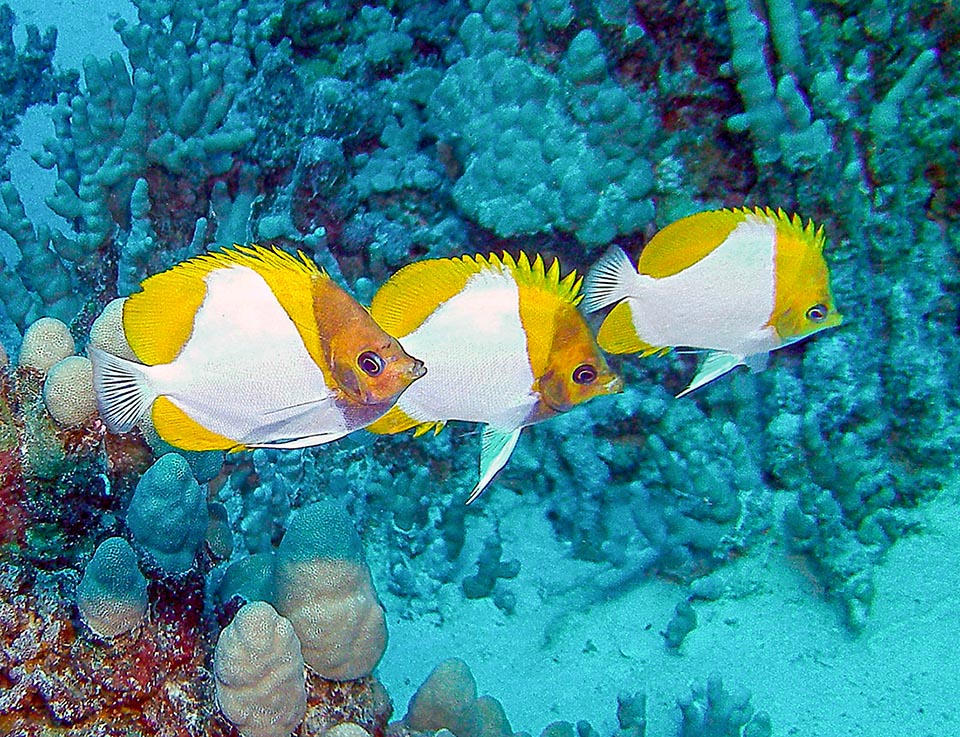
(817,313)
(370,363)
(584,374)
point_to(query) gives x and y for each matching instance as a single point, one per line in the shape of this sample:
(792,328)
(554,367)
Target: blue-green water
(803,519)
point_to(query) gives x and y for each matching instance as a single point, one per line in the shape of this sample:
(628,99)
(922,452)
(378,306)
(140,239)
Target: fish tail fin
(123,391)
(609,280)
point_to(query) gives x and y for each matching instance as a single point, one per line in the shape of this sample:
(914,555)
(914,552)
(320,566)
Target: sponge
(259,673)
(323,586)
(112,595)
(168,514)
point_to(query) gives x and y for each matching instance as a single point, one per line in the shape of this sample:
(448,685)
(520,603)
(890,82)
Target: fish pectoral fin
(304,442)
(122,390)
(716,364)
(495,449)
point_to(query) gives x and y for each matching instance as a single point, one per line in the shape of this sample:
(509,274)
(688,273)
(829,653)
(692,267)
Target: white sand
(773,635)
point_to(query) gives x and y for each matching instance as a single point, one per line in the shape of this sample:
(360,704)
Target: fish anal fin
(426,427)
(496,447)
(716,365)
(396,421)
(180,430)
(619,335)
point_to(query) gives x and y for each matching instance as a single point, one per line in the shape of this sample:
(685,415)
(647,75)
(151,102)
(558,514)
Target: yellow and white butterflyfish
(503,343)
(249,347)
(735,283)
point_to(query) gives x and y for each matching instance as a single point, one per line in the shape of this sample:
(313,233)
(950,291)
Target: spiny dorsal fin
(412,294)
(537,275)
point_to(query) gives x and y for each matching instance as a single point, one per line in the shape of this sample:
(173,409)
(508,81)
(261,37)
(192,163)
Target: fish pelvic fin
(609,281)
(308,441)
(716,365)
(122,389)
(495,450)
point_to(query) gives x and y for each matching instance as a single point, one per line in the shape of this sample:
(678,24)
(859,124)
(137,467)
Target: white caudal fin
(495,450)
(609,280)
(123,391)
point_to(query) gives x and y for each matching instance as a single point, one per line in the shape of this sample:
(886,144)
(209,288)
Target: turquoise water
(790,534)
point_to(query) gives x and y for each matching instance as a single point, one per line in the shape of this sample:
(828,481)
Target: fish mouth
(614,386)
(417,370)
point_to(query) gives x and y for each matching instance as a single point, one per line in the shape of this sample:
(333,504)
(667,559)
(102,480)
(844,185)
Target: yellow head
(567,365)
(803,302)
(575,370)
(368,366)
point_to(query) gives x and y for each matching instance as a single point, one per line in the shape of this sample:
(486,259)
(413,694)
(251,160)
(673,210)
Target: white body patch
(244,373)
(722,302)
(475,350)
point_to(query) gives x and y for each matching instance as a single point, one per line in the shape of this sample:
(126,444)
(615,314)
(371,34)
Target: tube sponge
(259,673)
(112,595)
(168,514)
(323,587)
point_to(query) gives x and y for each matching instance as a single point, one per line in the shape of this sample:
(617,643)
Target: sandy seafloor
(555,658)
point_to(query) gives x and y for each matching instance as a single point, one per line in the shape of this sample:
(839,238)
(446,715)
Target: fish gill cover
(373,135)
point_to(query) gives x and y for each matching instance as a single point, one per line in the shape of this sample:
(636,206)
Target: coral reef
(372,135)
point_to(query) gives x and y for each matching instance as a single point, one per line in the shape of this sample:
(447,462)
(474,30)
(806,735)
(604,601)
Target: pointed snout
(614,385)
(417,369)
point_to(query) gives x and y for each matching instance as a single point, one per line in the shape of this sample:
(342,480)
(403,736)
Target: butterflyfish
(249,347)
(736,284)
(504,345)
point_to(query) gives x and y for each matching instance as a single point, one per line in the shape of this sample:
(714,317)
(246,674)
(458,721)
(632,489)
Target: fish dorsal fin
(396,421)
(496,447)
(412,294)
(618,334)
(799,256)
(158,320)
(687,241)
(536,275)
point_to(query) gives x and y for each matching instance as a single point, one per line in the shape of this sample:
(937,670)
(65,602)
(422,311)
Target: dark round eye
(370,363)
(584,374)
(817,313)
